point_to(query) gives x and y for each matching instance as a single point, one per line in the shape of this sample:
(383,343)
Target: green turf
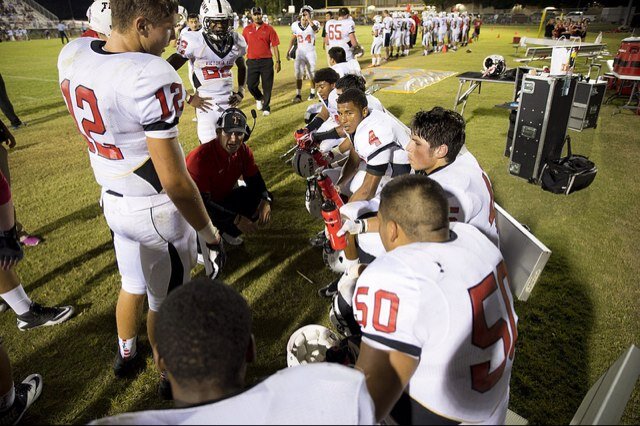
(582,314)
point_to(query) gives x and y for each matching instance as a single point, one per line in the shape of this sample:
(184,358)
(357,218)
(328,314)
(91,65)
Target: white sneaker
(259,105)
(265,113)
(234,241)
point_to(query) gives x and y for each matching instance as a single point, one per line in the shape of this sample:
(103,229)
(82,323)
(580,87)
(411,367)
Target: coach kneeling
(216,167)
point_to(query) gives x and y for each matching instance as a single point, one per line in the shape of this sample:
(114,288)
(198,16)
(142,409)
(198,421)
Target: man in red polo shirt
(216,166)
(262,41)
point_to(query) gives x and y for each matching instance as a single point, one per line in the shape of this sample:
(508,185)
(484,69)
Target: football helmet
(335,260)
(99,15)
(303,163)
(308,9)
(493,66)
(212,13)
(377,19)
(309,344)
(341,316)
(182,16)
(313,200)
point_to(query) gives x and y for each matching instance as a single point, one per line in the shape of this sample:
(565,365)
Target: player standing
(304,36)
(126,101)
(377,31)
(213,50)
(437,317)
(341,32)
(387,23)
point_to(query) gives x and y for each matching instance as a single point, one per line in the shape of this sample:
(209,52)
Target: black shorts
(387,40)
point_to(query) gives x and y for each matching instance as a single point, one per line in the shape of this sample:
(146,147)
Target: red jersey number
(483,336)
(334,32)
(302,39)
(87,128)
(178,104)
(381,297)
(210,73)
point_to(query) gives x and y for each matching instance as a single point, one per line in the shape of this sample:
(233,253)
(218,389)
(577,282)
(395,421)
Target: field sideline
(581,316)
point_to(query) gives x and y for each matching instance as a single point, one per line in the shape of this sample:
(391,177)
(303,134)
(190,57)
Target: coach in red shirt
(262,41)
(216,167)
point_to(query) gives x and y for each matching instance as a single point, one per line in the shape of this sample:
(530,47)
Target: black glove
(10,248)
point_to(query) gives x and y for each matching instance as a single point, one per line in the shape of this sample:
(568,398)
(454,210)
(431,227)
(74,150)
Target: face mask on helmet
(217,20)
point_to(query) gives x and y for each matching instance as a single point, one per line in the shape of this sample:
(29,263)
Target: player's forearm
(367,190)
(186,197)
(348,171)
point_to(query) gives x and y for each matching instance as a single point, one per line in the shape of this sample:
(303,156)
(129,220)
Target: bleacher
(25,14)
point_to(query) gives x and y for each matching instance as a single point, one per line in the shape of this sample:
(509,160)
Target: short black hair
(351,81)
(338,54)
(203,331)
(343,11)
(326,74)
(441,126)
(356,96)
(193,16)
(429,210)
(330,13)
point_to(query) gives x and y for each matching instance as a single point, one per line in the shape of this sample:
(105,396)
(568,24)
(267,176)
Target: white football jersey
(377,30)
(320,393)
(212,69)
(469,193)
(352,66)
(143,97)
(378,142)
(305,36)
(338,31)
(449,305)
(387,23)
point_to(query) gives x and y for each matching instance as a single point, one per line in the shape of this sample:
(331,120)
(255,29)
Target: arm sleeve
(159,96)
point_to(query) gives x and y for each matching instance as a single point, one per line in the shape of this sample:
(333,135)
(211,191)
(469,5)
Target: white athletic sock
(127,347)
(373,61)
(298,92)
(6,400)
(18,300)
(313,92)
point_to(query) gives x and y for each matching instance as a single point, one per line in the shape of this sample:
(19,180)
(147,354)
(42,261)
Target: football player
(437,317)
(377,31)
(387,23)
(213,51)
(126,101)
(341,32)
(304,36)
(99,15)
(338,61)
(216,322)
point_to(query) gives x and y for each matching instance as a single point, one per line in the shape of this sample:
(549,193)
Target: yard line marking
(19,77)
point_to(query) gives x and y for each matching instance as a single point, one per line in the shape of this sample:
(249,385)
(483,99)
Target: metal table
(475,80)
(635,92)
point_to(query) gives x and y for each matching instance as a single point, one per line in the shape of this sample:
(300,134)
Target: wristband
(239,93)
(209,234)
(189,99)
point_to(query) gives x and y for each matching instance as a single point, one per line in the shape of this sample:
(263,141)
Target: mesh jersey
(311,394)
(142,97)
(338,32)
(332,105)
(212,73)
(449,305)
(378,32)
(305,36)
(387,23)
(469,193)
(351,66)
(378,142)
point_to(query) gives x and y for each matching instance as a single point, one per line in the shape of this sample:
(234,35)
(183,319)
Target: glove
(235,98)
(214,257)
(10,250)
(304,138)
(353,227)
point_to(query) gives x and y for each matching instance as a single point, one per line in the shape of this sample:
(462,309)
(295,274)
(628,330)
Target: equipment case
(541,124)
(586,105)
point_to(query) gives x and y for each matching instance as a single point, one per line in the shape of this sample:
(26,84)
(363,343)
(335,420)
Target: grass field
(581,316)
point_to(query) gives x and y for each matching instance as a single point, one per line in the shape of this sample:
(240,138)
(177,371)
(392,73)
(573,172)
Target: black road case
(587,102)
(541,124)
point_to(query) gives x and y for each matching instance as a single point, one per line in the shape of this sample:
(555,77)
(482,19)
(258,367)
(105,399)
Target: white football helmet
(182,16)
(308,9)
(303,163)
(213,12)
(377,19)
(335,260)
(494,66)
(99,15)
(309,344)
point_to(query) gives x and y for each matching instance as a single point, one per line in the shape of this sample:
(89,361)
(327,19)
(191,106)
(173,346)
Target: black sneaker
(125,367)
(41,316)
(318,240)
(297,99)
(164,389)
(19,125)
(4,306)
(312,97)
(330,290)
(26,393)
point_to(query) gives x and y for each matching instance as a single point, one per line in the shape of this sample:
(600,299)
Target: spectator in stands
(204,342)
(548,29)
(62,28)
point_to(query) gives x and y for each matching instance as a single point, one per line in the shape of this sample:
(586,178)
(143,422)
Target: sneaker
(318,240)
(164,389)
(41,316)
(312,97)
(330,290)
(26,393)
(123,367)
(4,306)
(19,126)
(297,99)
(266,113)
(259,105)
(234,241)
(30,240)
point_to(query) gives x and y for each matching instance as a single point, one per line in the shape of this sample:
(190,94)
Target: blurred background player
(139,162)
(437,317)
(213,51)
(387,23)
(305,57)
(341,32)
(377,31)
(205,344)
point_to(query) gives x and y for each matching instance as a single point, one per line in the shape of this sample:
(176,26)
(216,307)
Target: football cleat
(26,393)
(259,105)
(266,113)
(124,367)
(4,306)
(297,99)
(312,97)
(41,316)
(330,290)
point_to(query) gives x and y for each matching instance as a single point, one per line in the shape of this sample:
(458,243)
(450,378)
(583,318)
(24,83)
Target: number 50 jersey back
(117,100)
